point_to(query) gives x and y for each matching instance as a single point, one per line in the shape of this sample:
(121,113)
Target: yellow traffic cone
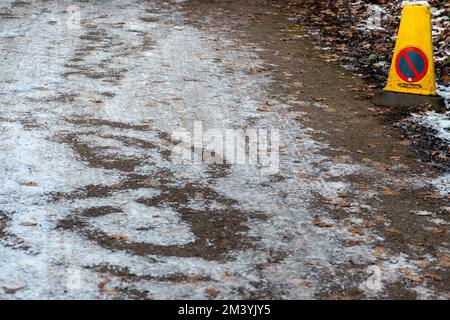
(411,78)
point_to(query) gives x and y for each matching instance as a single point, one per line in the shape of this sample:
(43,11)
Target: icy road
(94,98)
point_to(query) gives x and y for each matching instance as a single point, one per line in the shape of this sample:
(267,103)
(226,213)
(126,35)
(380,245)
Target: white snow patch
(416,3)
(436,121)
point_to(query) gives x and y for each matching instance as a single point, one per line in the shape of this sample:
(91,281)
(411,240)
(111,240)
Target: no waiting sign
(411,64)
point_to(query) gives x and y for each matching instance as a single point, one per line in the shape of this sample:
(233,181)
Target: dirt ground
(93,207)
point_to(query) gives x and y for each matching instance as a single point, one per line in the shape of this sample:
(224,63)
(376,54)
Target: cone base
(405,100)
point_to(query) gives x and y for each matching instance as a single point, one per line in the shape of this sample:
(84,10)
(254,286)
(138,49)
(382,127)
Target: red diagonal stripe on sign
(411,64)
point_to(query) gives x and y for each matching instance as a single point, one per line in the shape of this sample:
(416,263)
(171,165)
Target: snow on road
(91,205)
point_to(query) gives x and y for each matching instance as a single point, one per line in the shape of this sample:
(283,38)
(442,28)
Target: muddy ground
(92,205)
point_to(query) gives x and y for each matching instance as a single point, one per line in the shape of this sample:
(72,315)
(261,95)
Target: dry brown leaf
(225,275)
(339,160)
(422,263)
(433,276)
(108,160)
(147,121)
(12,290)
(366,223)
(344,204)
(262,266)
(211,292)
(118,237)
(199,196)
(389,192)
(343,195)
(294,28)
(28,184)
(264,108)
(355,230)
(112,293)
(302,176)
(437,230)
(378,252)
(444,262)
(318,223)
(28,224)
(393,230)
(414,278)
(102,284)
(194,279)
(166,142)
(439,196)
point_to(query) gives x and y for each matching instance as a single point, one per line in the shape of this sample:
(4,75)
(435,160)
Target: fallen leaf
(339,160)
(166,142)
(343,195)
(198,196)
(264,108)
(262,266)
(414,278)
(366,223)
(355,230)
(102,284)
(437,230)
(344,204)
(422,263)
(28,224)
(118,237)
(147,121)
(108,160)
(444,262)
(318,223)
(294,28)
(433,276)
(194,279)
(211,292)
(302,176)
(28,184)
(388,192)
(378,252)
(439,196)
(12,290)
(112,293)
(393,230)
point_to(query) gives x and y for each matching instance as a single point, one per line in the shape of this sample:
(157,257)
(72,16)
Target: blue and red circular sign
(411,64)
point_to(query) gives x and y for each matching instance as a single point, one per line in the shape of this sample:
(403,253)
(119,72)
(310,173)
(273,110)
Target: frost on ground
(91,205)
(438,122)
